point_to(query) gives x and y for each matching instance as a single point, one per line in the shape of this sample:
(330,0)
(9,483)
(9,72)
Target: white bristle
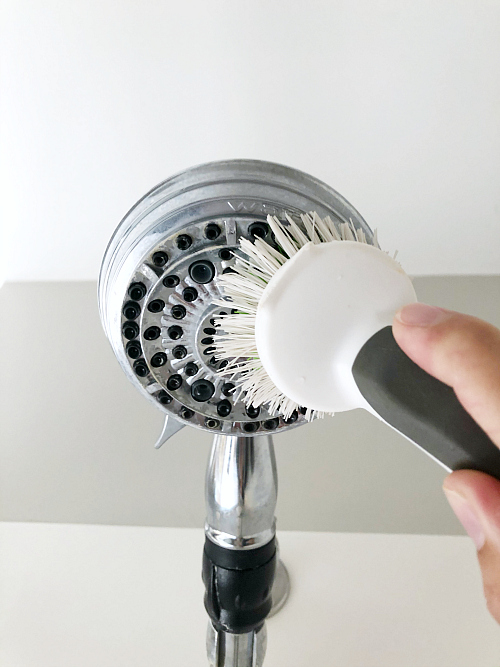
(244,289)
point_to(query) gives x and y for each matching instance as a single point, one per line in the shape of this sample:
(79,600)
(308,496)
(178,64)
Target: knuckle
(481,334)
(469,341)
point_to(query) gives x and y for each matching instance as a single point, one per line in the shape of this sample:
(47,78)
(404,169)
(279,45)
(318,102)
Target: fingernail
(422,315)
(467,517)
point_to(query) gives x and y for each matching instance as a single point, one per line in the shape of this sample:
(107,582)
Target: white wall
(395,103)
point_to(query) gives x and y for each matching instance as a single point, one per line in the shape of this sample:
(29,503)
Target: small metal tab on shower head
(170,427)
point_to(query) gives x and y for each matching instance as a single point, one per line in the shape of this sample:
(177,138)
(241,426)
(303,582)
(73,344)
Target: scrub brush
(310,326)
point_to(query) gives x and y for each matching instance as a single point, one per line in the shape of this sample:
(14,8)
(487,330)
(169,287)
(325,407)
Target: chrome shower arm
(240,554)
(241,491)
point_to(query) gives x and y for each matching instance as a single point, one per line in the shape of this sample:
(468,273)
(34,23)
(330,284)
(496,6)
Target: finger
(460,350)
(475,499)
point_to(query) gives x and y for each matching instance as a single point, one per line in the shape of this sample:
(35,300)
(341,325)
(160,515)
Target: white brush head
(318,311)
(304,312)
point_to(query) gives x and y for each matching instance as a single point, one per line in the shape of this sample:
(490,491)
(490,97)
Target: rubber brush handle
(421,407)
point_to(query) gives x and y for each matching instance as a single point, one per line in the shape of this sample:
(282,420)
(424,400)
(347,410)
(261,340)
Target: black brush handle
(421,407)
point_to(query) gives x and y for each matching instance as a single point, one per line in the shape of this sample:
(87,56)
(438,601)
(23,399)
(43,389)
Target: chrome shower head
(158,283)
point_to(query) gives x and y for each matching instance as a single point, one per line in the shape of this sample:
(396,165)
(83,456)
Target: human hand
(464,352)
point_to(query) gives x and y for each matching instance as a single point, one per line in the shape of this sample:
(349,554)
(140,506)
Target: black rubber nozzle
(190,369)
(137,291)
(179,352)
(292,418)
(225,254)
(212,231)
(156,306)
(271,424)
(190,294)
(178,312)
(164,397)
(130,330)
(202,390)
(171,281)
(133,349)
(174,382)
(224,408)
(252,411)
(175,332)
(258,229)
(160,258)
(184,241)
(158,359)
(141,368)
(250,427)
(202,272)
(152,333)
(131,310)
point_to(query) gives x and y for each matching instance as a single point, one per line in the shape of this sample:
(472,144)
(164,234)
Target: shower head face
(168,329)
(158,283)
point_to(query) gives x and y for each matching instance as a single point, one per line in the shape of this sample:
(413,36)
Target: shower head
(158,284)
